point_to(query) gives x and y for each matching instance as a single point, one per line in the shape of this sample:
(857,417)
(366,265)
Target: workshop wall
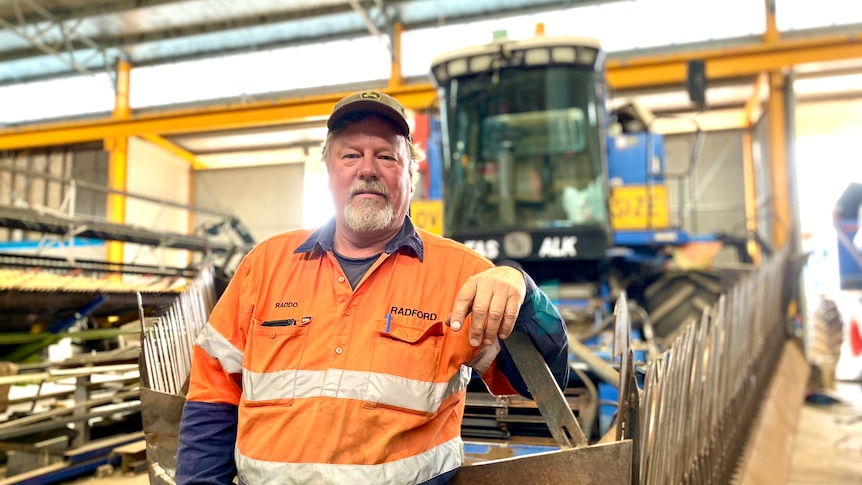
(38,179)
(154,171)
(718,177)
(268,199)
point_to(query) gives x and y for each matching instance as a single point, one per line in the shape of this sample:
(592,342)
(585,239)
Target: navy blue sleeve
(539,319)
(206,444)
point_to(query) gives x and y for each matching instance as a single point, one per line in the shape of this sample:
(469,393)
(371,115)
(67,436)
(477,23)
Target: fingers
(485,314)
(513,307)
(463,304)
(493,299)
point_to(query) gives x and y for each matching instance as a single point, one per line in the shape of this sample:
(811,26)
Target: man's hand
(494,297)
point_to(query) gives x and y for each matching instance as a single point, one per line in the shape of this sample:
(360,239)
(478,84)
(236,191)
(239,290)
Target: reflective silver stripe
(385,389)
(414,469)
(220,349)
(411,394)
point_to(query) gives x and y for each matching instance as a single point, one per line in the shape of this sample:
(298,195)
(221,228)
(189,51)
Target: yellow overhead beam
(198,120)
(754,106)
(173,148)
(731,63)
(629,74)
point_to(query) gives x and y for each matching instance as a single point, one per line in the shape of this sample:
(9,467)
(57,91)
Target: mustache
(372,186)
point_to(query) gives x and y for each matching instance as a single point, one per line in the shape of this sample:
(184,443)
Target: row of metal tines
(700,399)
(168,339)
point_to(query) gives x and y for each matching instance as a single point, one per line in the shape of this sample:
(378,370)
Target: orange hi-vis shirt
(342,385)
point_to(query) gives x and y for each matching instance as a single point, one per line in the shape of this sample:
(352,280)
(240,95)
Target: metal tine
(150,355)
(661,412)
(146,382)
(681,384)
(654,404)
(660,429)
(737,377)
(682,417)
(166,357)
(733,377)
(668,411)
(710,408)
(688,416)
(195,305)
(674,418)
(174,324)
(622,329)
(697,385)
(160,357)
(184,328)
(647,408)
(146,347)
(670,415)
(155,359)
(190,314)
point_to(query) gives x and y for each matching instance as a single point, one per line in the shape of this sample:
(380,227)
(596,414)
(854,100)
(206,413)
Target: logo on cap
(370,95)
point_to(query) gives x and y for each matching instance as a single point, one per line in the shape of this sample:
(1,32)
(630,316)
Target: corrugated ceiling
(42,39)
(48,38)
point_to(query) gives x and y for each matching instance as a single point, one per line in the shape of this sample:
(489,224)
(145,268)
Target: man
(343,355)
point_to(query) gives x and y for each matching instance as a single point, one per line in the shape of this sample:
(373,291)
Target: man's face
(369,177)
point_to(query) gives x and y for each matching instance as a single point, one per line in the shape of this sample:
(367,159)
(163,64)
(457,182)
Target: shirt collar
(406,238)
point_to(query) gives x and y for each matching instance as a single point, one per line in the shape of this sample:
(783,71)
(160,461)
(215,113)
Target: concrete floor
(827,449)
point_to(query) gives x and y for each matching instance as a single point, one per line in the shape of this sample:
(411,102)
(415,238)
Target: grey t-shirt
(355,269)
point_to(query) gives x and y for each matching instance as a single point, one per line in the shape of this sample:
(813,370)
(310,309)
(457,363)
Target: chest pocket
(409,350)
(272,357)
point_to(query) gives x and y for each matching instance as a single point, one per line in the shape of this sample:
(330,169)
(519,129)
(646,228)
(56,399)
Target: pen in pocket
(279,323)
(388,321)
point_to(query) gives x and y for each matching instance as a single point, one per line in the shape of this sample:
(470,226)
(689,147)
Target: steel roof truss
(38,35)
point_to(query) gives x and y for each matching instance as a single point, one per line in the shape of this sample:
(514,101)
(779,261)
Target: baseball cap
(370,101)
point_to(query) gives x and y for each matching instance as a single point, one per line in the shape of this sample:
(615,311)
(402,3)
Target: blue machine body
(847,219)
(636,158)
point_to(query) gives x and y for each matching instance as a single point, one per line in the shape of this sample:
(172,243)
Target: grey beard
(365,216)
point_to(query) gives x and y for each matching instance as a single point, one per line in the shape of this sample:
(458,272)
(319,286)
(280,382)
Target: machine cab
(523,152)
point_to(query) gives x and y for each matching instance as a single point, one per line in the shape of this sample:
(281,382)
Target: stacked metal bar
(701,398)
(168,340)
(51,280)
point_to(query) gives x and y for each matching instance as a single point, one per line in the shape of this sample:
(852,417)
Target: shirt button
(347,312)
(341,279)
(338,350)
(271,334)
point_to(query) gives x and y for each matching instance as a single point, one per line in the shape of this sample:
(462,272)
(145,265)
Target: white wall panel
(155,172)
(267,199)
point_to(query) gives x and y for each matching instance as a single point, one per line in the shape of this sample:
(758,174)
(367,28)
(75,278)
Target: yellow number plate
(428,215)
(630,207)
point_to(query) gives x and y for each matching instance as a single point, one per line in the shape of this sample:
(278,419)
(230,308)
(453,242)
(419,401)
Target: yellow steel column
(396,77)
(753,113)
(772,35)
(750,181)
(191,214)
(778,162)
(118,165)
